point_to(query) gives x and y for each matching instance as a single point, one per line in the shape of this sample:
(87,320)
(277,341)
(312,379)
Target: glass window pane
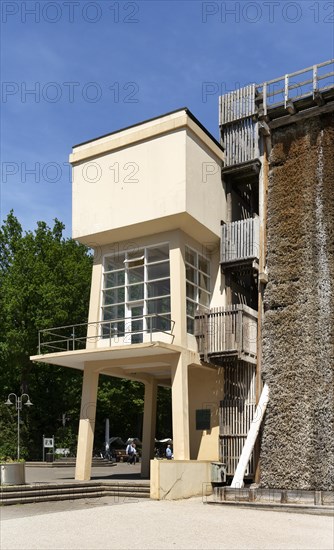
(204,281)
(158,271)
(161,305)
(135,263)
(159,288)
(136,275)
(191,308)
(191,291)
(113,312)
(113,330)
(160,324)
(135,292)
(114,296)
(203,264)
(190,256)
(191,274)
(158,254)
(204,298)
(190,325)
(114,279)
(137,253)
(114,262)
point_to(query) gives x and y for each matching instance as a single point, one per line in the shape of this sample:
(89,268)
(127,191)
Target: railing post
(265,99)
(286,90)
(39,342)
(206,336)
(73,336)
(315,80)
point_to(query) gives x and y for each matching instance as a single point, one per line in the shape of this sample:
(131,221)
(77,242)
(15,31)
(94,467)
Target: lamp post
(18,401)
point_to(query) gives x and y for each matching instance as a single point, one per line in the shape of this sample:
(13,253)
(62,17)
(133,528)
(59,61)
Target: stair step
(10,494)
(22,489)
(71,496)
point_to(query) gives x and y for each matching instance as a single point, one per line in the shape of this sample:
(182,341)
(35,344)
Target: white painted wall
(205,197)
(133,185)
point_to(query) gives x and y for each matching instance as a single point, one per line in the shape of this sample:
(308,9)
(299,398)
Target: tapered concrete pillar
(180,408)
(149,423)
(87,424)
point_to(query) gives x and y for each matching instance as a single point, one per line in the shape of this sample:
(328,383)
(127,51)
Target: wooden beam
(264,128)
(308,113)
(318,98)
(290,107)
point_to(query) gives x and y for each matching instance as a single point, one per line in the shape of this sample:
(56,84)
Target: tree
(44,282)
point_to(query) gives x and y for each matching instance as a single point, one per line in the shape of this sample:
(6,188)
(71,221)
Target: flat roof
(185,109)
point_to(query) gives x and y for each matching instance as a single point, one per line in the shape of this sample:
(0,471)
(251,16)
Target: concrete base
(274,497)
(12,473)
(177,479)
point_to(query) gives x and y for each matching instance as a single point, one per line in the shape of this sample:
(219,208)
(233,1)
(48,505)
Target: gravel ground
(187,524)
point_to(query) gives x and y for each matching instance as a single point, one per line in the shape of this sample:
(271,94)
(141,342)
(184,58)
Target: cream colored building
(149,200)
(178,223)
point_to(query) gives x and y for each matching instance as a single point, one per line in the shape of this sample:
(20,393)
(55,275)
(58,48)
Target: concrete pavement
(127,523)
(188,524)
(118,471)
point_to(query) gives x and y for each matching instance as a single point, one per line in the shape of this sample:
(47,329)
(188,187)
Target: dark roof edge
(189,113)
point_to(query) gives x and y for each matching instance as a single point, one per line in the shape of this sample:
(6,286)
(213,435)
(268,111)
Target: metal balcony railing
(126,330)
(224,333)
(240,241)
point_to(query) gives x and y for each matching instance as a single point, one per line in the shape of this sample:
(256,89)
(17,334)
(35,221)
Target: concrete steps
(44,492)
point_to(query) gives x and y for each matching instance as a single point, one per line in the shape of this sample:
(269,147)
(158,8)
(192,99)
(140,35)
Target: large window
(136,284)
(197,285)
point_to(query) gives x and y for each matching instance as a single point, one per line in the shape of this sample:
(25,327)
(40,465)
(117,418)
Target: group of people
(132,454)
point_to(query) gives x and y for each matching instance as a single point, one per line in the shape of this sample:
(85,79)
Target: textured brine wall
(298,344)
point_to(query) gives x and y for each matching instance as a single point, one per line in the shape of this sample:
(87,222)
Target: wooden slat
(240,240)
(237,411)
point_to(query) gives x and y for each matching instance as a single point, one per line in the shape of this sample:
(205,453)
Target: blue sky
(99,66)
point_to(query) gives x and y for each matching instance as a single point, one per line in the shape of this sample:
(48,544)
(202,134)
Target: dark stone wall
(297,449)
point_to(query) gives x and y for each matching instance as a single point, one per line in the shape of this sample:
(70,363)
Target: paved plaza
(123,523)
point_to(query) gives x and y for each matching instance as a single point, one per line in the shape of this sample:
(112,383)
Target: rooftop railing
(125,330)
(298,85)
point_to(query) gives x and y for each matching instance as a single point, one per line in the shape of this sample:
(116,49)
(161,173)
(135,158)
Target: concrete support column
(180,408)
(149,423)
(178,291)
(87,424)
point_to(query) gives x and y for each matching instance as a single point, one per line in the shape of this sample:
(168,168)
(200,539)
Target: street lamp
(18,401)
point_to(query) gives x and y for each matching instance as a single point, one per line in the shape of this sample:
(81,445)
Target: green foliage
(44,282)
